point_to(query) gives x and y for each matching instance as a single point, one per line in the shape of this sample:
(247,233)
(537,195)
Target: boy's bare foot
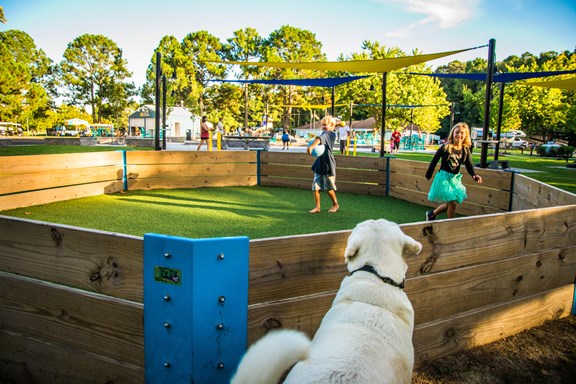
(334,208)
(315,210)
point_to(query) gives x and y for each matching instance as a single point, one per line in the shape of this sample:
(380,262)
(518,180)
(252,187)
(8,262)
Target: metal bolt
(220,256)
(167,324)
(221,299)
(167,297)
(220,326)
(167,364)
(220,365)
(167,255)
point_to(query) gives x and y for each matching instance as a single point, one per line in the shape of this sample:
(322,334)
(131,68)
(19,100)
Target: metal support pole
(351,107)
(163,112)
(333,100)
(486,125)
(157,102)
(499,126)
(383,129)
(452,106)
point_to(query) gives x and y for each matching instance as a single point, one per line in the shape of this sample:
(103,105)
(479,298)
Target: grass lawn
(256,212)
(29,150)
(545,169)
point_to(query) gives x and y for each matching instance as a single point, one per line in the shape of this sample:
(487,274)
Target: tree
(290,44)
(402,89)
(94,73)
(25,74)
(244,46)
(181,86)
(198,48)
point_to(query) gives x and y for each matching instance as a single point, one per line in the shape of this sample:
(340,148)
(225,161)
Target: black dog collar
(387,280)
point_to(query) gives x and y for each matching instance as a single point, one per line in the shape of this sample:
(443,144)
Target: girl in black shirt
(447,187)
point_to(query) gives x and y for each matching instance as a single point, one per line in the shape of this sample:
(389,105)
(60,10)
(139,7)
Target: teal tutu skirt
(447,187)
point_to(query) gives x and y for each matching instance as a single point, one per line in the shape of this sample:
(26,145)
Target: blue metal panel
(195,308)
(574,300)
(124,171)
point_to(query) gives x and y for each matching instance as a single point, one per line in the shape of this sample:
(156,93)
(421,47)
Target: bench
(246,142)
(499,164)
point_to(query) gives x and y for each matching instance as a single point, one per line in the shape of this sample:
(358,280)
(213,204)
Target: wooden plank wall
(530,194)
(462,293)
(408,182)
(367,175)
(70,304)
(72,297)
(190,169)
(364,175)
(43,179)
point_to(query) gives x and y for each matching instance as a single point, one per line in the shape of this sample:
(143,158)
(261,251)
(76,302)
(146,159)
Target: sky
(430,26)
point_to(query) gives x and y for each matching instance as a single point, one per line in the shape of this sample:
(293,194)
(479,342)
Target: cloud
(442,14)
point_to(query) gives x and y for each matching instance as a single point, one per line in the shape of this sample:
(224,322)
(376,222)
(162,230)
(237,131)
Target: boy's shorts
(324,183)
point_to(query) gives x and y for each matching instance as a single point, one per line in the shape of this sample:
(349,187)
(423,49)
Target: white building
(179,121)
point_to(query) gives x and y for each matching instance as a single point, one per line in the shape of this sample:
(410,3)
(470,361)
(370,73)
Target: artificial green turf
(42,149)
(256,212)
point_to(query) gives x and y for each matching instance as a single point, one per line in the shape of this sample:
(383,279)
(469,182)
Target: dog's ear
(411,246)
(351,249)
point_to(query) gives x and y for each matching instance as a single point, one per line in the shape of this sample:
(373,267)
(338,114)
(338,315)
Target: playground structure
(78,305)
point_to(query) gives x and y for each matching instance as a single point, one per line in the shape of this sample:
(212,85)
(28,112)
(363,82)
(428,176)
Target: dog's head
(381,244)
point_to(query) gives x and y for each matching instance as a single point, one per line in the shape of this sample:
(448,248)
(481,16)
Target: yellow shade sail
(561,84)
(321,106)
(356,66)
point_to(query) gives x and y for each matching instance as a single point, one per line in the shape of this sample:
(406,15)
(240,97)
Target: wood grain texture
(94,261)
(191,182)
(485,325)
(30,360)
(73,318)
(449,293)
(184,157)
(530,194)
(46,196)
(59,178)
(11,165)
(191,170)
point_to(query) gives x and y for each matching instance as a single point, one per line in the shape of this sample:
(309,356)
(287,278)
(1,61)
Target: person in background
(220,127)
(395,141)
(447,187)
(205,128)
(285,140)
(343,134)
(325,165)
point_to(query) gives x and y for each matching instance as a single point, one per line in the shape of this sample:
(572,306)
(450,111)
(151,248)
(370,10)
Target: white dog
(365,337)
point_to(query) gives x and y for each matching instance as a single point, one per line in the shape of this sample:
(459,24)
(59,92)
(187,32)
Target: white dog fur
(365,337)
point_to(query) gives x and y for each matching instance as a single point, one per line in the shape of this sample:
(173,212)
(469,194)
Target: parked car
(514,133)
(517,143)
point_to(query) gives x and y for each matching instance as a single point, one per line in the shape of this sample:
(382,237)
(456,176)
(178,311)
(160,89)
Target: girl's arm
(434,162)
(469,164)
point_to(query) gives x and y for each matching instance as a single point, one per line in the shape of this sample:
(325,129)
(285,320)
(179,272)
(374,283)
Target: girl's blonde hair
(467,142)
